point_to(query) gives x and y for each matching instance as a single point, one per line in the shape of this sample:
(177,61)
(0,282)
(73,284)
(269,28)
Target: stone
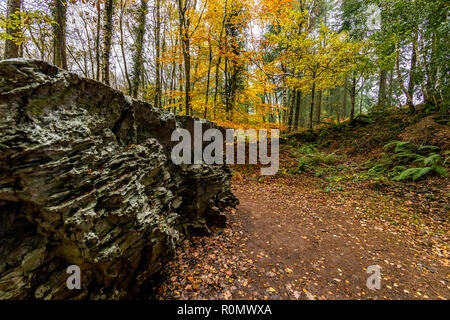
(86,179)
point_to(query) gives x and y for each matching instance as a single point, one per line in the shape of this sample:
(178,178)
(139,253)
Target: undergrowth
(405,161)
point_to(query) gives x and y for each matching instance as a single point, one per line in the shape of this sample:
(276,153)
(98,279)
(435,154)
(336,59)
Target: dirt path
(288,239)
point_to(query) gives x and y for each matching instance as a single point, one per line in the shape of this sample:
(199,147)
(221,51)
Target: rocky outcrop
(86,179)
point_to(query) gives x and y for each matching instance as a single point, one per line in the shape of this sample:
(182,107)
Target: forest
(285,64)
(358,89)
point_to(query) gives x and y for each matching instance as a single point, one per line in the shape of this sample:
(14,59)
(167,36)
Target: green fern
(407,156)
(447,159)
(428,148)
(440,170)
(406,153)
(401,146)
(308,149)
(431,159)
(413,174)
(377,169)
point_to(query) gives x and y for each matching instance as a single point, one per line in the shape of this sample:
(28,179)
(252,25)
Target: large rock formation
(86,179)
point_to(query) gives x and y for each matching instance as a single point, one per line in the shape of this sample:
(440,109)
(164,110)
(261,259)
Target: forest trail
(288,239)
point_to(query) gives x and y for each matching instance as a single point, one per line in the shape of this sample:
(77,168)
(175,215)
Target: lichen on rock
(86,179)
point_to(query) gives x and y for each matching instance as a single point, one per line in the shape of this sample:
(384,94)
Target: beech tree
(12,28)
(59,36)
(138,49)
(107,36)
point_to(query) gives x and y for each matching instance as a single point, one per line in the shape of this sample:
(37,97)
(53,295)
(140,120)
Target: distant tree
(138,62)
(59,33)
(107,36)
(12,16)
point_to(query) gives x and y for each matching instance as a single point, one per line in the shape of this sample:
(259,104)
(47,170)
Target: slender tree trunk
(157,51)
(283,113)
(208,78)
(227,89)
(319,106)
(290,120)
(186,50)
(298,109)
(107,35)
(344,101)
(405,90)
(433,71)
(313,92)
(337,115)
(97,41)
(219,60)
(11,49)
(181,89)
(122,47)
(337,108)
(172,84)
(382,85)
(389,97)
(361,101)
(187,75)
(90,50)
(59,35)
(138,60)
(353,98)
(382,89)
(410,96)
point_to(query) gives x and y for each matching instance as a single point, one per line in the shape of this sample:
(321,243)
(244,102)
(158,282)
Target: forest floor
(300,236)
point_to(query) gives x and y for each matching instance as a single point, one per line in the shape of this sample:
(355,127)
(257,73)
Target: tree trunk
(219,60)
(97,41)
(353,98)
(313,92)
(227,89)
(382,89)
(344,102)
(138,60)
(208,78)
(433,70)
(186,50)
(122,47)
(107,35)
(410,96)
(216,89)
(298,103)
(157,51)
(180,83)
(319,107)
(59,35)
(290,120)
(361,101)
(389,97)
(187,75)
(11,49)
(337,115)
(383,73)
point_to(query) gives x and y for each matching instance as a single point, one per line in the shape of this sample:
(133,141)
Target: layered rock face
(86,179)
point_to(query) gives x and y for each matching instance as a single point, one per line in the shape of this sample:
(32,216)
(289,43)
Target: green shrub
(307,149)
(331,158)
(312,160)
(403,153)
(413,174)
(378,169)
